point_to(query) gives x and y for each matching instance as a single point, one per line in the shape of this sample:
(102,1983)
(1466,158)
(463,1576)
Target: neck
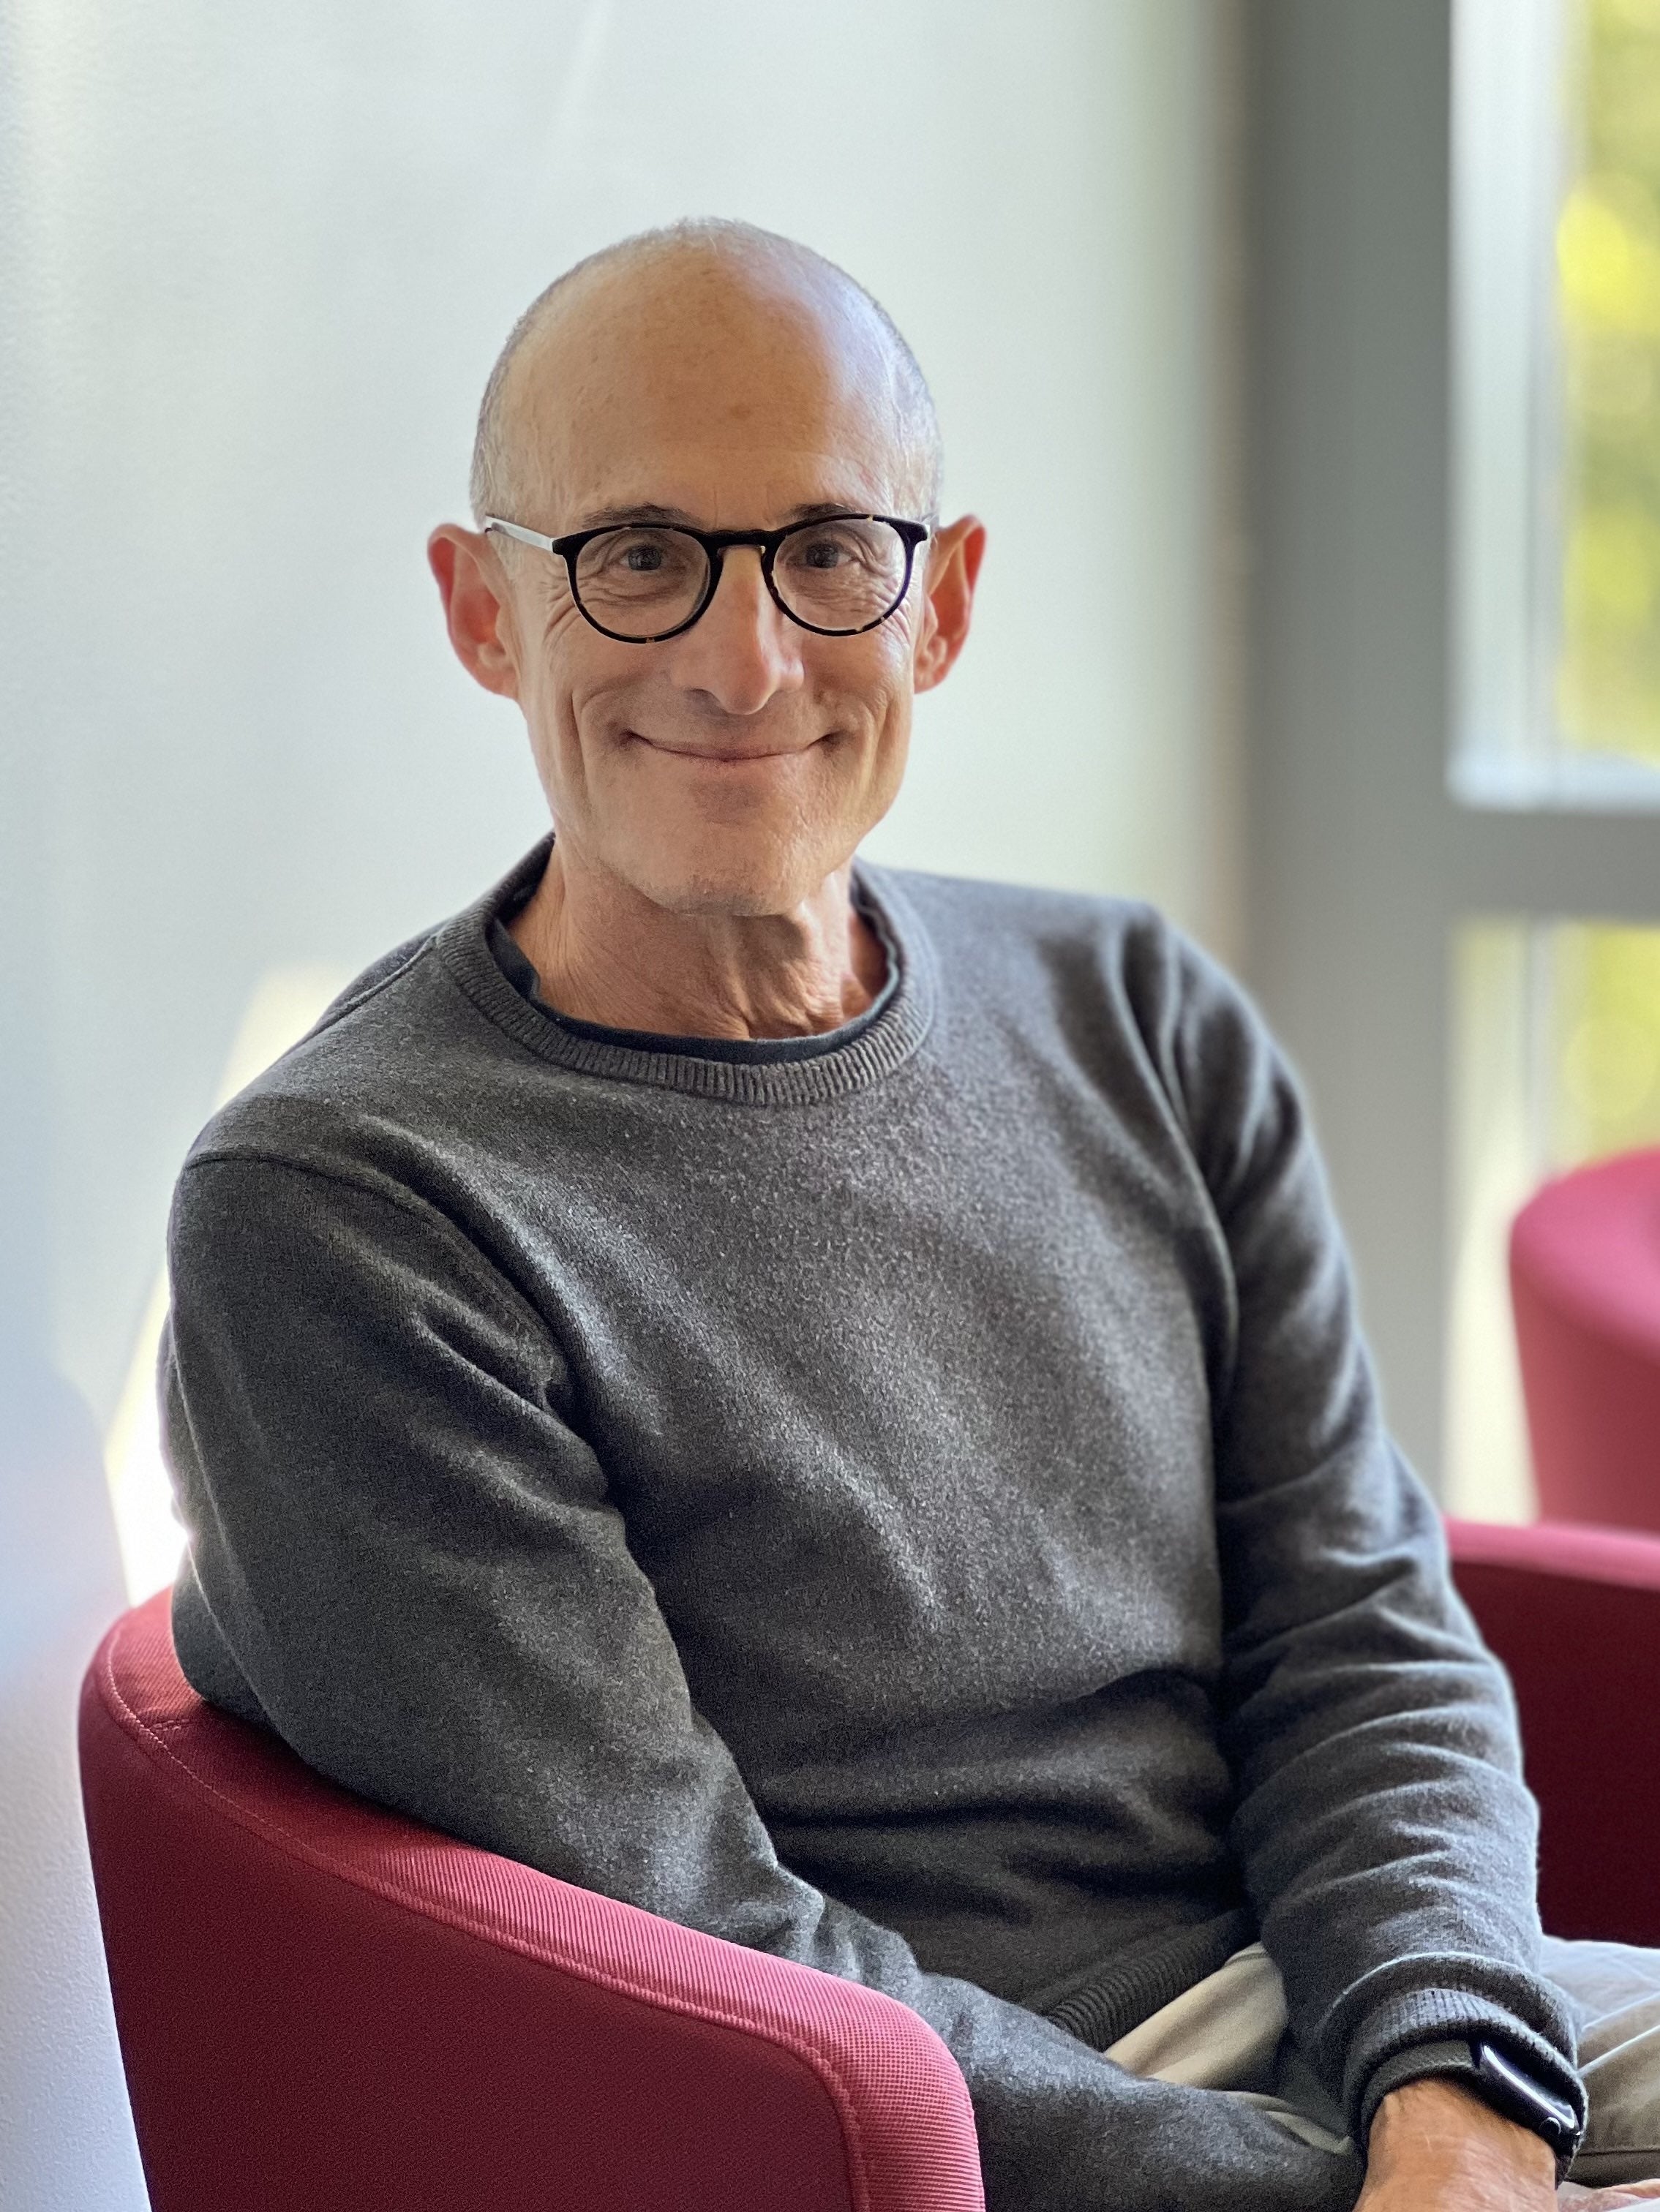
(604,952)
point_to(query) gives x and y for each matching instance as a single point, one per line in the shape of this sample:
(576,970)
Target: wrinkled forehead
(738,403)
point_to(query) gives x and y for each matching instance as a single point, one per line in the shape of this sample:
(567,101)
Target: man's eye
(637,555)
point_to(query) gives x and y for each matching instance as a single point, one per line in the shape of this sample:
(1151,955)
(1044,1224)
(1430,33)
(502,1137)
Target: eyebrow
(602,518)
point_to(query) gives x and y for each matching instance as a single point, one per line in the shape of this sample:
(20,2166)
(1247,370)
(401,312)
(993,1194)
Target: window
(1557,283)
(1607,688)
(1557,1061)
(1555,1006)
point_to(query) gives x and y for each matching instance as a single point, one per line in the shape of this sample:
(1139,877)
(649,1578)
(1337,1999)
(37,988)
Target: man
(826,1402)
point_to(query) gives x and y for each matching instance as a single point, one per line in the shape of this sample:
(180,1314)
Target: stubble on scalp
(505,480)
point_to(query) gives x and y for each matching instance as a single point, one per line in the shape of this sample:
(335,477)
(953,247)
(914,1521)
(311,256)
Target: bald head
(760,335)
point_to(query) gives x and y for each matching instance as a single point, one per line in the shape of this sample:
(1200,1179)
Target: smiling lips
(712,757)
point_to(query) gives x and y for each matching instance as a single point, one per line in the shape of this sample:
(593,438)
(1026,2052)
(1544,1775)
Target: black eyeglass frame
(715,543)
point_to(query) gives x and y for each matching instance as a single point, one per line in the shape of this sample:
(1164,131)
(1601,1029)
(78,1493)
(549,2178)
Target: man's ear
(473,588)
(954,559)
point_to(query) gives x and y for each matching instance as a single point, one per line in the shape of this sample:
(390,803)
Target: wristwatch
(1515,2094)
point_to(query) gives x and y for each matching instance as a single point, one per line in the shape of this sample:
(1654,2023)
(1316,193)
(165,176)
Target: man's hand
(1436,2146)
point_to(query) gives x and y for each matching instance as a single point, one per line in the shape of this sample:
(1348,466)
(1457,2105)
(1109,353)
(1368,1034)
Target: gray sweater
(915,1505)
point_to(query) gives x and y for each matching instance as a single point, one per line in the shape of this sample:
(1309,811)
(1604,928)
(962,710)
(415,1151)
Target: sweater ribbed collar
(874,1049)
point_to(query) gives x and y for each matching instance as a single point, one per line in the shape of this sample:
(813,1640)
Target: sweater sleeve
(404,1558)
(1386,1838)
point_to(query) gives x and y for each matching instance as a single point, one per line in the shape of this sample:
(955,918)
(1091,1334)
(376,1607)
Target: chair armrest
(322,2004)
(1573,1613)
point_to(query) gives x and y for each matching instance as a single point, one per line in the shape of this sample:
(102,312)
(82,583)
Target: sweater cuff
(1451,2020)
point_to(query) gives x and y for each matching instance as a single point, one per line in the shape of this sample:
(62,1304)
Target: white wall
(254,263)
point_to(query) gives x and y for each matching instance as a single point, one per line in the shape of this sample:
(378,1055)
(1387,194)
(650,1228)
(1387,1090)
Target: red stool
(1585,1284)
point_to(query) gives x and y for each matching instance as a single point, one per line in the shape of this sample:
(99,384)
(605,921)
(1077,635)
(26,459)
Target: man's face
(734,767)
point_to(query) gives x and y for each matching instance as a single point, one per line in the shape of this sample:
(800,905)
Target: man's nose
(742,650)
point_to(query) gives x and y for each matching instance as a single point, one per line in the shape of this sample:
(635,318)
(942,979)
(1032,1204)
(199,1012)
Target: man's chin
(743,885)
(717,894)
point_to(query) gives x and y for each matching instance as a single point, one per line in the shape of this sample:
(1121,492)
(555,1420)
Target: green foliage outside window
(1605,1045)
(1608,260)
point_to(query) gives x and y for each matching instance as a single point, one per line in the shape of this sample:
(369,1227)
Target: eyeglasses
(644,581)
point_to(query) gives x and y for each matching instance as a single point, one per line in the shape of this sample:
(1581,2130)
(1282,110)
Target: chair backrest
(1585,1285)
(324,2007)
(1574,1613)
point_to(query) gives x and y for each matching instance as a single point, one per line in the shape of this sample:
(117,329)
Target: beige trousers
(1228,2033)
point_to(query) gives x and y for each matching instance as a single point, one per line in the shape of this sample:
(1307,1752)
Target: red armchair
(1574,1613)
(324,2007)
(1585,1286)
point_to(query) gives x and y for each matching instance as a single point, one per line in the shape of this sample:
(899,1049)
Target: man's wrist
(1439,2125)
(1546,2103)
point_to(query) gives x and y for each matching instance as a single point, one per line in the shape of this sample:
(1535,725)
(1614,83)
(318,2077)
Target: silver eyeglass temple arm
(517,530)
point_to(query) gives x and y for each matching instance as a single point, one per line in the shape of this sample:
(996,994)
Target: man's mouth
(719,756)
